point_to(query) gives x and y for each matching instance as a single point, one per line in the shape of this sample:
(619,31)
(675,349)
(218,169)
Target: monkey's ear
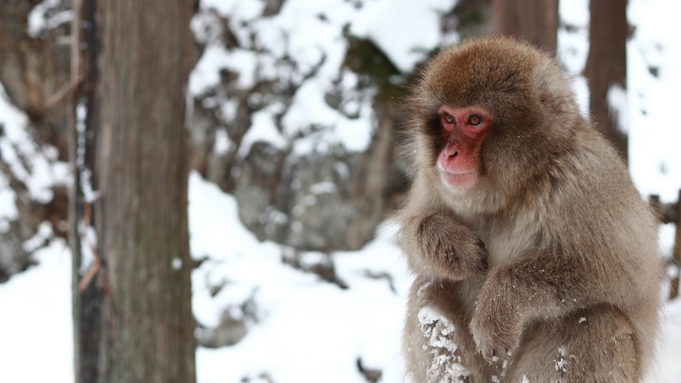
(553,90)
(546,98)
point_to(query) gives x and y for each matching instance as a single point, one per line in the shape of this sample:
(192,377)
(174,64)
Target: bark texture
(535,21)
(141,161)
(606,65)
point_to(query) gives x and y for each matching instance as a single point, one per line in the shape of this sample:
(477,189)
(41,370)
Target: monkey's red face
(463,131)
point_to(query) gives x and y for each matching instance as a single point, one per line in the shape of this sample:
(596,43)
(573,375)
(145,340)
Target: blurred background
(277,122)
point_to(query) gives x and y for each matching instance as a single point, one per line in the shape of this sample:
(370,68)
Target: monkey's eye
(474,120)
(449,119)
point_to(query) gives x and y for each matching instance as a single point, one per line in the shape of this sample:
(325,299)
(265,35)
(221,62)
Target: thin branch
(63,91)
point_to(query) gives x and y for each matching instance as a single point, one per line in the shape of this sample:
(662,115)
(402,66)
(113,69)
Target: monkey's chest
(507,242)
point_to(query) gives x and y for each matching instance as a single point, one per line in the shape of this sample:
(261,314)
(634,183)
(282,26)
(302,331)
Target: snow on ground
(36,333)
(307,329)
(669,370)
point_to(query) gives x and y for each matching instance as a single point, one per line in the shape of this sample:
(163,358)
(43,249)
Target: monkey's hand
(451,249)
(497,322)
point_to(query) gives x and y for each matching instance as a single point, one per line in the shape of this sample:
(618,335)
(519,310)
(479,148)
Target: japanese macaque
(535,258)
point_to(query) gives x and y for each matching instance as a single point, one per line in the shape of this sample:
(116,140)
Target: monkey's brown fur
(549,261)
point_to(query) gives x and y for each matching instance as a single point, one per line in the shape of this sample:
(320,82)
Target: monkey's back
(602,218)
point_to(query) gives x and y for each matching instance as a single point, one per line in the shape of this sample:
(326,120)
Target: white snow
(222,144)
(43,234)
(437,329)
(323,187)
(35,166)
(404,32)
(617,107)
(306,329)
(654,136)
(263,129)
(309,106)
(311,34)
(573,46)
(37,21)
(561,362)
(206,73)
(35,325)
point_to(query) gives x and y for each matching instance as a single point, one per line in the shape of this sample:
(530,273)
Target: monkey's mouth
(457,180)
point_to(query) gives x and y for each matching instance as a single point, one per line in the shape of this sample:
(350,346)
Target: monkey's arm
(535,286)
(439,245)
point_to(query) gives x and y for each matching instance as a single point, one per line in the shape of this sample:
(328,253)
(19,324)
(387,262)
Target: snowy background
(300,328)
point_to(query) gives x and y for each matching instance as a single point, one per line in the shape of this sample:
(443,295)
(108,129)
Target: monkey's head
(486,113)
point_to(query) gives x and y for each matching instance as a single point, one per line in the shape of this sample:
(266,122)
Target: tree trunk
(87,296)
(135,317)
(535,21)
(606,67)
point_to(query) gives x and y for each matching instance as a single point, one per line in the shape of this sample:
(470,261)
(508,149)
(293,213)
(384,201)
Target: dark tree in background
(132,308)
(535,21)
(606,65)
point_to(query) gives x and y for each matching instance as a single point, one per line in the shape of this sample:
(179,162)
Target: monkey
(534,257)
